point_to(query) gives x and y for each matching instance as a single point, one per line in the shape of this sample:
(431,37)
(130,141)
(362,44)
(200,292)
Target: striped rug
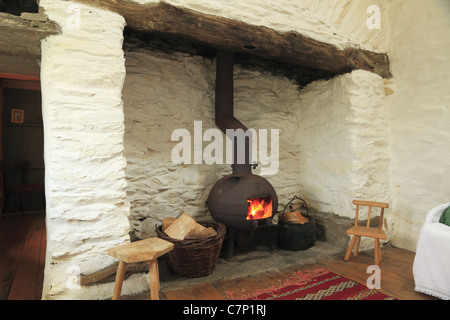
(317,285)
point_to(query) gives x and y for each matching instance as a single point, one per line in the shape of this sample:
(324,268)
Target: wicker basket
(197,257)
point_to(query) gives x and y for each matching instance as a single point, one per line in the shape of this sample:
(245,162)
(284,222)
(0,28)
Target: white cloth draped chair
(431,267)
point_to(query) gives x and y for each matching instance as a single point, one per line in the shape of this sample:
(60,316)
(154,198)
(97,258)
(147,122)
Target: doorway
(22,142)
(22,230)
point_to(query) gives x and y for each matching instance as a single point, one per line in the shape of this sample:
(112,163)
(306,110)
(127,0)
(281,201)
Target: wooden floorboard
(22,256)
(396,272)
(13,233)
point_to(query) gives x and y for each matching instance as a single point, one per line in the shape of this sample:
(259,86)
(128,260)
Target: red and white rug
(318,284)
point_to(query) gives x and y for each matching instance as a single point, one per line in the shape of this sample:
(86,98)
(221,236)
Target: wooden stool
(143,250)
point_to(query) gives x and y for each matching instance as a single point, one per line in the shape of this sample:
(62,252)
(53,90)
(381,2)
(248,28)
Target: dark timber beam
(232,35)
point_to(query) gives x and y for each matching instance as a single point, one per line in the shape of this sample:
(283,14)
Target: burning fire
(260,208)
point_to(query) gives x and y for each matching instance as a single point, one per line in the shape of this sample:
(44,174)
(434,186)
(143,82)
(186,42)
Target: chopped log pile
(185,227)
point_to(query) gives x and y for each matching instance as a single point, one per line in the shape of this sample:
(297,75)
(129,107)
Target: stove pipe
(224,110)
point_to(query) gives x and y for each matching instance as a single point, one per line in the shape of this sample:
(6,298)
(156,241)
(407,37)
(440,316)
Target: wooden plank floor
(22,256)
(396,278)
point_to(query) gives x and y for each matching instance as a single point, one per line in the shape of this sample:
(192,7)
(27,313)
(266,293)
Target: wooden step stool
(143,250)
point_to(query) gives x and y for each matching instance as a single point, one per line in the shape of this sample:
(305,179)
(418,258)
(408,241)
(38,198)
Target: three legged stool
(138,251)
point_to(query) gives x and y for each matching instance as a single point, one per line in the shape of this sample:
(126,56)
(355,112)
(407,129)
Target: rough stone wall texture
(342,23)
(350,18)
(165,92)
(419,110)
(344,140)
(82,75)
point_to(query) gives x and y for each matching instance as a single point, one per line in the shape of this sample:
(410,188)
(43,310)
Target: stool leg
(377,252)
(350,247)
(154,279)
(119,280)
(356,250)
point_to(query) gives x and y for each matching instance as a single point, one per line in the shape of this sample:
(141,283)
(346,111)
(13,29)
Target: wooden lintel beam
(227,34)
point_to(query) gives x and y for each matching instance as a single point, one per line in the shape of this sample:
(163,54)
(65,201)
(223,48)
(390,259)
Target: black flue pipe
(224,111)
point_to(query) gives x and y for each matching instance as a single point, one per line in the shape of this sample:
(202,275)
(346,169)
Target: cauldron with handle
(296,236)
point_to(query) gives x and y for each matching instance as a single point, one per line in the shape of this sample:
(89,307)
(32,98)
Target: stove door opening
(259,208)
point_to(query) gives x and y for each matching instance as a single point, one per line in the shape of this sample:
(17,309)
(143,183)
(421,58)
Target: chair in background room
(358,231)
(15,183)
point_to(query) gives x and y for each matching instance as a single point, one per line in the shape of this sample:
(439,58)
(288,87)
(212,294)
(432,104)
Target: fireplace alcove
(169,85)
(191,42)
(191,46)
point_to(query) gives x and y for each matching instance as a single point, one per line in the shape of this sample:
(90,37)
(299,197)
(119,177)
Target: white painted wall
(82,73)
(419,112)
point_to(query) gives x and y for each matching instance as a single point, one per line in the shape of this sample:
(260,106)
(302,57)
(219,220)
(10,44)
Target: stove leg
(231,242)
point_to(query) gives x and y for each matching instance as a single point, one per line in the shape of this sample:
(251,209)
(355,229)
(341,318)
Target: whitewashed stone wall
(351,18)
(82,74)
(344,140)
(165,92)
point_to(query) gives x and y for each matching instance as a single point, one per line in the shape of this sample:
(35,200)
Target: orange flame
(260,208)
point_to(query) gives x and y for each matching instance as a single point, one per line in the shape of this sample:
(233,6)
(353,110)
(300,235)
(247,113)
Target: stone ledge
(23,35)
(108,274)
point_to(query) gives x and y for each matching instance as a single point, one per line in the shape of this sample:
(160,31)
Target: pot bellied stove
(243,201)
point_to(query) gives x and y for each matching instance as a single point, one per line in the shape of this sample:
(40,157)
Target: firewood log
(203,234)
(166,222)
(181,227)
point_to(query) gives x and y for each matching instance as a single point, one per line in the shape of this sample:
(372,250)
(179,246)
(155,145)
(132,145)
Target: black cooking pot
(296,236)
